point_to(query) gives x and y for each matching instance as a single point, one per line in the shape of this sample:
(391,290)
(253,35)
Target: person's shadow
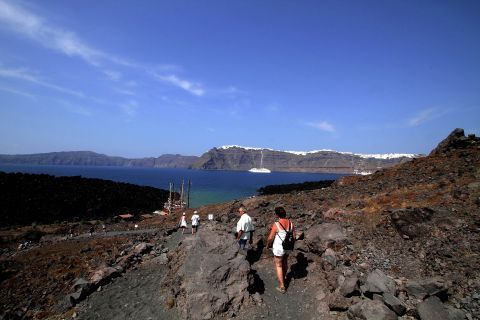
(298,270)
(254,254)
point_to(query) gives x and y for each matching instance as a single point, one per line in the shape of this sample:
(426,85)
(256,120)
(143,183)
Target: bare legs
(281,268)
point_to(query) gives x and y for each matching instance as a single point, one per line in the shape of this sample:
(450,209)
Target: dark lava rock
(378,282)
(370,310)
(320,237)
(394,303)
(349,287)
(208,275)
(432,309)
(410,222)
(337,302)
(426,287)
(455,140)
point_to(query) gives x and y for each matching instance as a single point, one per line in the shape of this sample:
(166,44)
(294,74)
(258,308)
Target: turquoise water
(208,186)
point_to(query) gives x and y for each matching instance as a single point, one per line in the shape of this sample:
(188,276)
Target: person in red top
(275,241)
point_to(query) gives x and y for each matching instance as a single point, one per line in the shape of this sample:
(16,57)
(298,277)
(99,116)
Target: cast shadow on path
(298,270)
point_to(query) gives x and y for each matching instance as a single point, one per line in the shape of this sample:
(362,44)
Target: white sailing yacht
(261,169)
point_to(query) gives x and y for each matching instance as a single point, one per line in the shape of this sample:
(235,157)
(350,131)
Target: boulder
(370,310)
(332,213)
(209,276)
(426,287)
(410,222)
(337,302)
(329,259)
(103,275)
(432,309)
(454,313)
(394,303)
(81,284)
(349,287)
(378,282)
(143,248)
(73,298)
(161,259)
(326,235)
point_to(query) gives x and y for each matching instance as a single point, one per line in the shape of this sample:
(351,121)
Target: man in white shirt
(244,228)
(195,221)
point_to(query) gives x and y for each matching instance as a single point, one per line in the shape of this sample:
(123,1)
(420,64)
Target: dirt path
(135,295)
(297,303)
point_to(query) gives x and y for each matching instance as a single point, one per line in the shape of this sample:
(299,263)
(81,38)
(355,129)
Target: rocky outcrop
(208,277)
(455,140)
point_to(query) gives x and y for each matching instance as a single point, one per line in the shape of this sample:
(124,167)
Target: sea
(207,186)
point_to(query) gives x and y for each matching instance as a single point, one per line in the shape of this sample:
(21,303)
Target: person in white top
(183,222)
(244,228)
(275,241)
(195,221)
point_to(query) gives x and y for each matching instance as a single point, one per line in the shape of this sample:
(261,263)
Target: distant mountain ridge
(226,158)
(361,155)
(89,158)
(245,158)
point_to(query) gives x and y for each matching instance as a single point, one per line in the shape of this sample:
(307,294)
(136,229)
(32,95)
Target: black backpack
(289,242)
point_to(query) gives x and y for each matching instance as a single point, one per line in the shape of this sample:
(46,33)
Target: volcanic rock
(432,309)
(426,287)
(208,275)
(394,303)
(349,287)
(378,282)
(320,237)
(410,221)
(455,140)
(370,310)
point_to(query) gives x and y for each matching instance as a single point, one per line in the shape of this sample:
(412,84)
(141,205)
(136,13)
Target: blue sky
(144,78)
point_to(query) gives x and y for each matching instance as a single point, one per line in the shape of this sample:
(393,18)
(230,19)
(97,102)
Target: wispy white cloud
(321,125)
(112,75)
(20,20)
(26,75)
(130,107)
(37,28)
(192,87)
(18,92)
(125,92)
(425,115)
(74,108)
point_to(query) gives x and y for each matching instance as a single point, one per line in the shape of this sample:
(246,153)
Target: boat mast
(170,198)
(188,193)
(181,195)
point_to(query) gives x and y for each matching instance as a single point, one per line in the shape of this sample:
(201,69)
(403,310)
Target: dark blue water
(208,186)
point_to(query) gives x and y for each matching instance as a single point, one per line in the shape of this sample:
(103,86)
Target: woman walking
(276,240)
(183,222)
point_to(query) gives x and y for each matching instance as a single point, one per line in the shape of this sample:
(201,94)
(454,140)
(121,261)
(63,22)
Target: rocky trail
(138,293)
(297,303)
